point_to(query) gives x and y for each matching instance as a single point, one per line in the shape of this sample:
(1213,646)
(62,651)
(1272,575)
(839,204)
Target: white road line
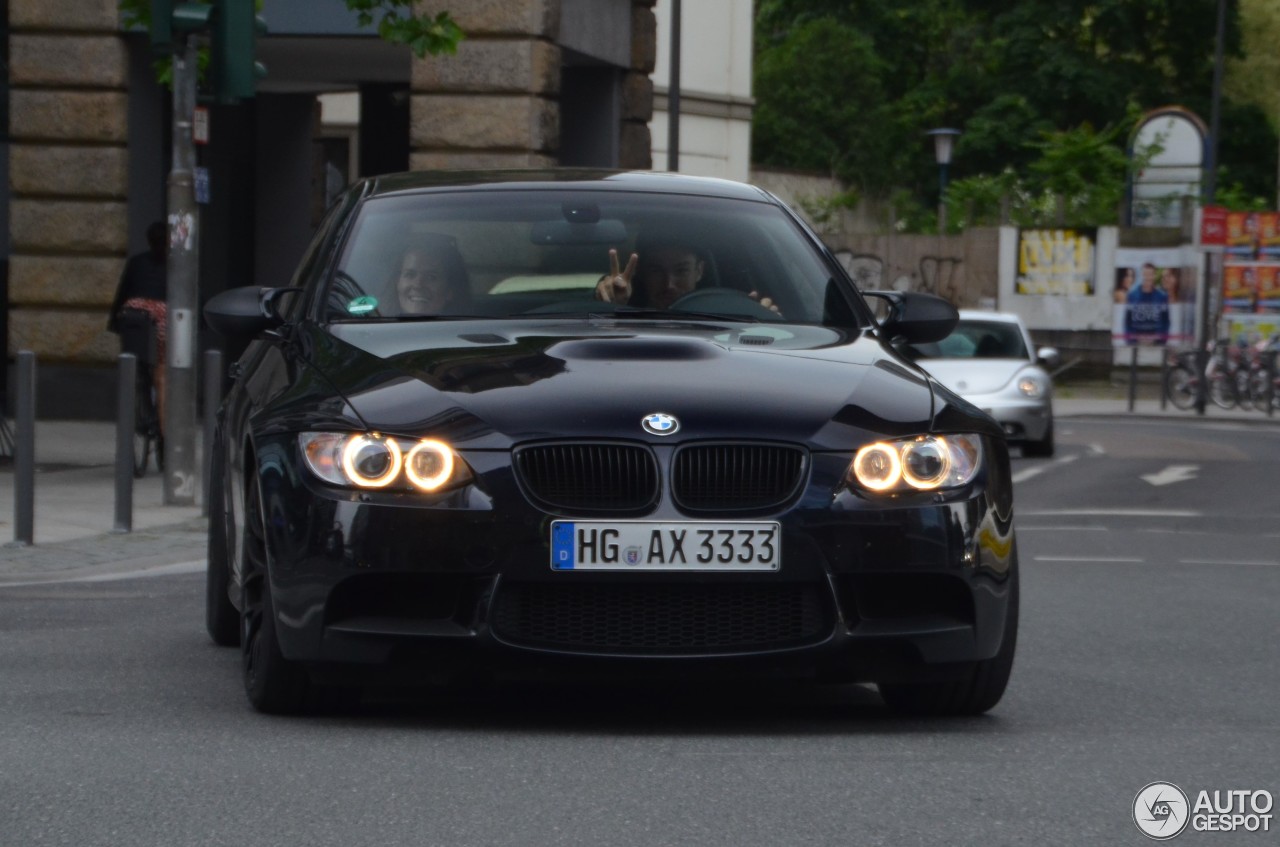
(1063,528)
(1227,562)
(1120,513)
(1090,559)
(196,566)
(1035,470)
(1097,450)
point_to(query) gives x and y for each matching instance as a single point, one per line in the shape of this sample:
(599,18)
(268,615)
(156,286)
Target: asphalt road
(1148,651)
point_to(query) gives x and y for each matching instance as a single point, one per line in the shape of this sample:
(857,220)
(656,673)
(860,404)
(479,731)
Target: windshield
(498,254)
(976,340)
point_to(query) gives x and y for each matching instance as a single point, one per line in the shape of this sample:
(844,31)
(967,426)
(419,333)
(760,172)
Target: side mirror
(915,318)
(246,312)
(1048,356)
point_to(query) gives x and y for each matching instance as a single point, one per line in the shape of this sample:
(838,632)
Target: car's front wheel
(273,683)
(220,618)
(975,692)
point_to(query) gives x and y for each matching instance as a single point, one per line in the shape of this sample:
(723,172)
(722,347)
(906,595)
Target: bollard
(1133,376)
(1271,382)
(24,452)
(126,422)
(212,400)
(1164,381)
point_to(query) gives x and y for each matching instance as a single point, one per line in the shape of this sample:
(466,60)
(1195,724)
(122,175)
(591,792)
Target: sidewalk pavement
(75,495)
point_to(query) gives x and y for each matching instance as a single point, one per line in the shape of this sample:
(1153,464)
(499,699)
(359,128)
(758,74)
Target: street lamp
(943,140)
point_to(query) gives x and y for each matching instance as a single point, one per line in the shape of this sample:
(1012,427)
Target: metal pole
(212,399)
(24,452)
(1215,109)
(1164,381)
(1271,383)
(673,93)
(942,198)
(1133,376)
(183,277)
(1210,195)
(126,422)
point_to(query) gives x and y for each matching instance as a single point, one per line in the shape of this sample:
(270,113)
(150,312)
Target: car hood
(968,377)
(487,385)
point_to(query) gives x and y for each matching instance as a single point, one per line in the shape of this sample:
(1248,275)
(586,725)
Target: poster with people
(1153,298)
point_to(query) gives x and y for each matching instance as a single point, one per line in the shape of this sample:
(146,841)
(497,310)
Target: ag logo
(660,423)
(1161,811)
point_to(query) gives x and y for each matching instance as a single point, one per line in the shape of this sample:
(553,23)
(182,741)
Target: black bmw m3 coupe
(599,422)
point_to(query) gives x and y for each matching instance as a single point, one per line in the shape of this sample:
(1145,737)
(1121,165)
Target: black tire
(1243,398)
(220,617)
(141,449)
(273,684)
(1180,387)
(975,693)
(1222,391)
(1041,449)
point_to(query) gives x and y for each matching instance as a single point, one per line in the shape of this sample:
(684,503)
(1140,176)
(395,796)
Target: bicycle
(1222,380)
(147,437)
(137,336)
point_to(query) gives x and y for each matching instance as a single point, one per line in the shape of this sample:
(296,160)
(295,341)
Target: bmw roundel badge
(660,423)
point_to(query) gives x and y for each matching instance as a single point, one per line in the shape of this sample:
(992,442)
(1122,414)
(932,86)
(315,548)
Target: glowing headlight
(372,461)
(925,463)
(1030,386)
(430,464)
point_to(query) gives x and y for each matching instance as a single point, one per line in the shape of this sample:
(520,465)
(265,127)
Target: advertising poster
(1056,262)
(1250,286)
(1269,235)
(1153,298)
(1239,287)
(1240,329)
(1242,234)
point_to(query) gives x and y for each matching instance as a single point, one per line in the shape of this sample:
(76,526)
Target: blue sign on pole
(201,177)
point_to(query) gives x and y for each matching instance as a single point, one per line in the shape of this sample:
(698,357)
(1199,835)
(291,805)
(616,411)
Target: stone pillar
(635,143)
(495,104)
(68,74)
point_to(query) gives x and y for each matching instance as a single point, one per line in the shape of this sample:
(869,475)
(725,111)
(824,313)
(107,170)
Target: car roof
(562,178)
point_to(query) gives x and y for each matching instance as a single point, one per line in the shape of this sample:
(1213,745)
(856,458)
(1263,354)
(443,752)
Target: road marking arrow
(1172,474)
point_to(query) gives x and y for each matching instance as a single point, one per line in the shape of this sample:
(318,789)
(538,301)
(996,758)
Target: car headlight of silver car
(922,463)
(1032,385)
(369,460)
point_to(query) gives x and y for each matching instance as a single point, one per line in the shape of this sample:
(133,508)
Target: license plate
(665,546)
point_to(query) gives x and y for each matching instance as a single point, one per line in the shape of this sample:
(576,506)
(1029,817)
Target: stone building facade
(68,176)
(535,83)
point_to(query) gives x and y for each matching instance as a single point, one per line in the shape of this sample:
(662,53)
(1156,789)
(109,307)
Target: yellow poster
(1055,262)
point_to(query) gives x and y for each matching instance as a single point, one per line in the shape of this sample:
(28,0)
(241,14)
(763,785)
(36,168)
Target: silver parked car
(988,361)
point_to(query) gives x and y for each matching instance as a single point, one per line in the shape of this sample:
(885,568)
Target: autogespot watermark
(1162,811)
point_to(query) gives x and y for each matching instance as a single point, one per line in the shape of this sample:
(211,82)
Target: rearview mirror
(247,311)
(915,318)
(608,231)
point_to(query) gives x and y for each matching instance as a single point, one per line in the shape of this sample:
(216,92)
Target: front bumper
(1021,418)
(867,590)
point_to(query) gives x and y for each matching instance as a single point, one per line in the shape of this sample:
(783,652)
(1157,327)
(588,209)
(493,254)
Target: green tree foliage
(851,86)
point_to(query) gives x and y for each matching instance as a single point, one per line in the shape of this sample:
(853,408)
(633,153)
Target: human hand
(615,287)
(767,302)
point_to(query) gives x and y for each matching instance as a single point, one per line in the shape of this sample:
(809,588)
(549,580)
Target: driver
(667,273)
(662,274)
